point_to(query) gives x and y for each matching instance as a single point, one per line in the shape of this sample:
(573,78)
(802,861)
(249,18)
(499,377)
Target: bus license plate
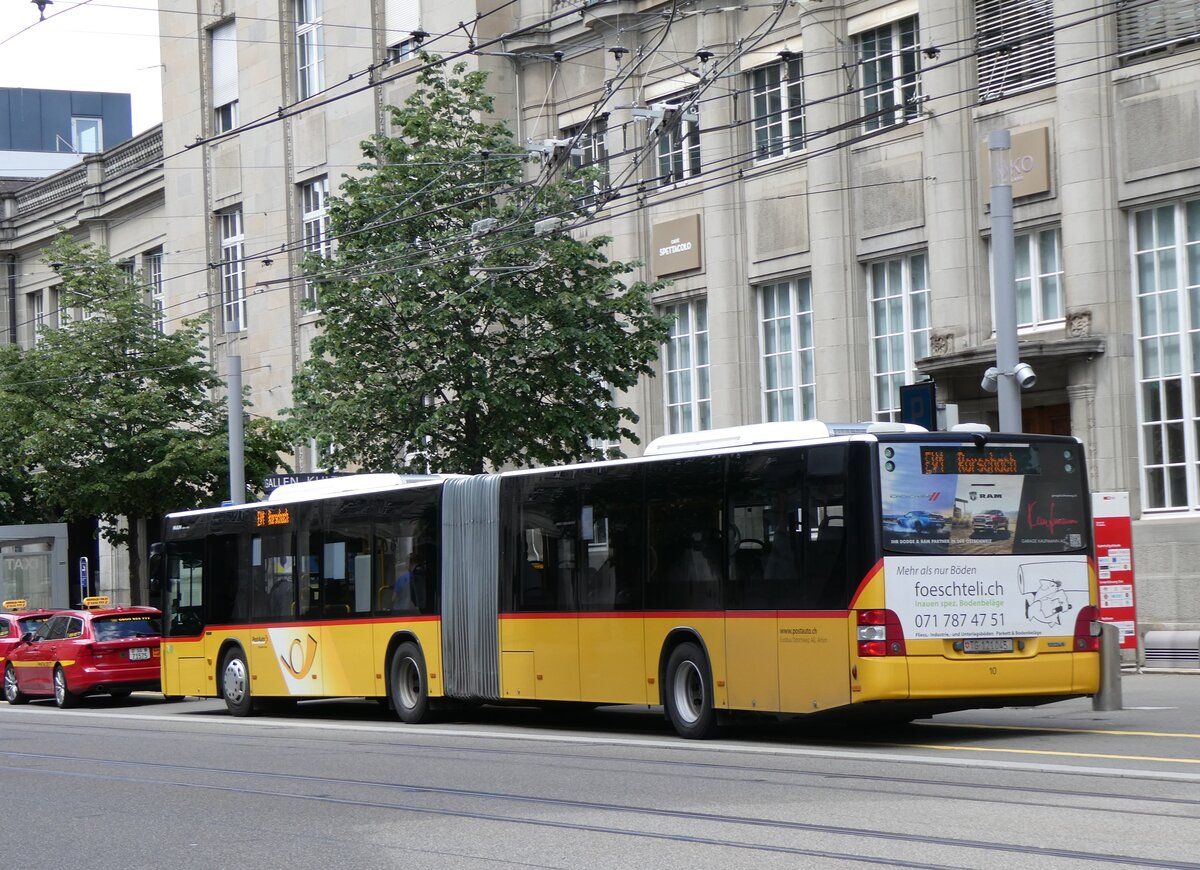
(139,654)
(988,645)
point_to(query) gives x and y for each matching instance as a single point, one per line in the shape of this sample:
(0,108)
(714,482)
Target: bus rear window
(964,499)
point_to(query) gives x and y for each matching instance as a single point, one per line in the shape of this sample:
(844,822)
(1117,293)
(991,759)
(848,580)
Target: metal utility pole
(1008,391)
(237,460)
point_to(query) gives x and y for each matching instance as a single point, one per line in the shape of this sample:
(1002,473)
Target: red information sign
(1114,563)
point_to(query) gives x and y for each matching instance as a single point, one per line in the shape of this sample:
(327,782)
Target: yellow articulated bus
(788,568)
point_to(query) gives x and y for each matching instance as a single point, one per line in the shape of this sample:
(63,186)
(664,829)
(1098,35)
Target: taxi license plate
(988,645)
(139,653)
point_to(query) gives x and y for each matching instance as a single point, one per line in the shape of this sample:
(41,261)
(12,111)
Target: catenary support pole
(1008,391)
(237,471)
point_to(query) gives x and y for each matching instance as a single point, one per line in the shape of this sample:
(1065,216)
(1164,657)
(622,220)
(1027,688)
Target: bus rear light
(880,634)
(1087,629)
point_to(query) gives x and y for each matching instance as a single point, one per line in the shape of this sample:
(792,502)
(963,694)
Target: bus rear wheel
(235,683)
(688,693)
(409,684)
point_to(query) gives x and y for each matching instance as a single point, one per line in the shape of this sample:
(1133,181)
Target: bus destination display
(979,460)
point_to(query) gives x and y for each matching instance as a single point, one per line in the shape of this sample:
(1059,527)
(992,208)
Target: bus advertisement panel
(985,542)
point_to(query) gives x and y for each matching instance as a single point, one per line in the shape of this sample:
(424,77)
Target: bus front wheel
(235,683)
(688,693)
(409,684)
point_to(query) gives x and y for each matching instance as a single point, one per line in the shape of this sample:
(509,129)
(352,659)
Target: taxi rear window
(119,627)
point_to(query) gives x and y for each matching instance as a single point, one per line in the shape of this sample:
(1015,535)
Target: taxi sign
(16,604)
(94,601)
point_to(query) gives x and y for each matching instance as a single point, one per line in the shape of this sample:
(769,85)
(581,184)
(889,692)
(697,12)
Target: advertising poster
(995,596)
(1114,563)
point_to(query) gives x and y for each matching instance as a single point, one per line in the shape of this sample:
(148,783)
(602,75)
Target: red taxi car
(105,651)
(17,620)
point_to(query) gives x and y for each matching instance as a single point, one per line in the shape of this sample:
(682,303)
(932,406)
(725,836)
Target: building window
(1166,276)
(1016,46)
(590,151)
(899,314)
(314,219)
(87,135)
(310,48)
(777,108)
(679,140)
(233,270)
(889,73)
(1154,27)
(154,278)
(224,76)
(1038,276)
(788,370)
(37,307)
(607,446)
(405,49)
(689,396)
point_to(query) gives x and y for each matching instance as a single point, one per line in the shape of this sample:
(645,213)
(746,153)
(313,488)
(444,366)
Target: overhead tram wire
(692,189)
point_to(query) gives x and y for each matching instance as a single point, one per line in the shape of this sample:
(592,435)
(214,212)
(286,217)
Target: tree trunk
(136,593)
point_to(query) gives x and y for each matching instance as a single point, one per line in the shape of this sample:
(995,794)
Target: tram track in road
(319,789)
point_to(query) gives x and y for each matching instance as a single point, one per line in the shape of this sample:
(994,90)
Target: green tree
(454,336)
(121,419)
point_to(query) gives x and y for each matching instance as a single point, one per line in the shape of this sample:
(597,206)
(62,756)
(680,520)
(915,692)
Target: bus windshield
(967,499)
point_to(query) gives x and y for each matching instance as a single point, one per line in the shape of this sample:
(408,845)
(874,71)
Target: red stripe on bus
(310,623)
(683,614)
(871,575)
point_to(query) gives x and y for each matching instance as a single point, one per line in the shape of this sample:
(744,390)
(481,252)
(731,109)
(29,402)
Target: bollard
(1109,696)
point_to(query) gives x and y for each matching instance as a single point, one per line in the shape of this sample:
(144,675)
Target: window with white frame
(679,140)
(224,76)
(87,135)
(314,219)
(788,368)
(607,446)
(37,309)
(310,48)
(899,294)
(689,395)
(1166,274)
(1016,46)
(590,151)
(889,63)
(777,108)
(233,270)
(1038,278)
(402,29)
(1148,28)
(154,279)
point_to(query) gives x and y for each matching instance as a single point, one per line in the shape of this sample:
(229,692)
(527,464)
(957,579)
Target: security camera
(989,379)
(1025,375)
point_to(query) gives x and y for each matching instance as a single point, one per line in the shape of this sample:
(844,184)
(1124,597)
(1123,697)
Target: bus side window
(612,530)
(685,533)
(548,544)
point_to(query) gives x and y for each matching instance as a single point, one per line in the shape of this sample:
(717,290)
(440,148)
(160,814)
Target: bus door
(612,649)
(787,593)
(539,633)
(284,656)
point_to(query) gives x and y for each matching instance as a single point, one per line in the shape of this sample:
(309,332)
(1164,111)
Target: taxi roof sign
(16,604)
(94,601)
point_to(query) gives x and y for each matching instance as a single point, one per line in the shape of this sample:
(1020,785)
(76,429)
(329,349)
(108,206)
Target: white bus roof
(767,433)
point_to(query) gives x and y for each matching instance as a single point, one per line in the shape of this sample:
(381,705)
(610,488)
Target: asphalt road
(147,784)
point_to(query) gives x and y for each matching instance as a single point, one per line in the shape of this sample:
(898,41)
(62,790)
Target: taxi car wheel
(12,692)
(62,695)
(235,683)
(409,684)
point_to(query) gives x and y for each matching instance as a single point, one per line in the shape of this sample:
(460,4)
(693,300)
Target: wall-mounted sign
(1028,164)
(676,246)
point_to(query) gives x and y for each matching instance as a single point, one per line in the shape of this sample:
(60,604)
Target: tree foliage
(455,337)
(114,418)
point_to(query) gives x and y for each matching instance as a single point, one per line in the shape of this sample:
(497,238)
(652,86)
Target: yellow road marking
(1106,755)
(1066,730)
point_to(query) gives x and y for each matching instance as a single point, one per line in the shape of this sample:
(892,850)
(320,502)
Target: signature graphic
(300,656)
(1049,522)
